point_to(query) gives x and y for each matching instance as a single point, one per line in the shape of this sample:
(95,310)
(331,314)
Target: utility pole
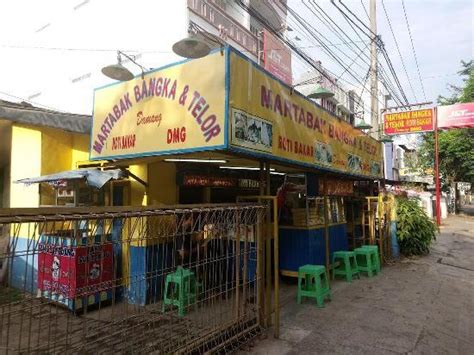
(374,104)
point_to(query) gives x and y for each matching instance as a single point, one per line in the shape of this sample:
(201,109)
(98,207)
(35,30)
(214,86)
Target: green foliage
(461,94)
(456,146)
(415,230)
(456,154)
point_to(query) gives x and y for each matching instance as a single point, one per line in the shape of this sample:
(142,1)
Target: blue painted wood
(299,247)
(148,268)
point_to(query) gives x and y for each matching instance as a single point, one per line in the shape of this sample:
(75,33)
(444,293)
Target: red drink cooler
(75,272)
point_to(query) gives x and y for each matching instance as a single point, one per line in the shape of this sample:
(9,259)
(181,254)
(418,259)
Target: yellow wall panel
(138,191)
(162,181)
(56,149)
(25,163)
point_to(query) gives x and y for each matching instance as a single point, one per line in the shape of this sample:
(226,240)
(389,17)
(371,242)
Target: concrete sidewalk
(418,305)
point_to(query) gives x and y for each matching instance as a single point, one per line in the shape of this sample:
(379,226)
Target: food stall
(312,223)
(243,117)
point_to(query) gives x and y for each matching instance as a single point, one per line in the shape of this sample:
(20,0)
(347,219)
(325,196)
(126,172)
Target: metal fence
(183,279)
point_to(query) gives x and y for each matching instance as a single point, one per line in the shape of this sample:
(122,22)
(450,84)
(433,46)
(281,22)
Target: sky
(51,54)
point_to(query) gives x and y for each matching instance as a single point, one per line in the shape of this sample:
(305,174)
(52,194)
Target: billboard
(456,116)
(415,121)
(268,119)
(277,57)
(175,109)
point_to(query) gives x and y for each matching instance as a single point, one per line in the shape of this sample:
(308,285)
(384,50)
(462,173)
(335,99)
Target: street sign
(415,121)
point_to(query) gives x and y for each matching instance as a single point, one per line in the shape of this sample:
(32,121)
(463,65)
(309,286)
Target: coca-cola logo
(149,119)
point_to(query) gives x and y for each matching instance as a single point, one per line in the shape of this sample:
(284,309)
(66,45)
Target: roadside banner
(414,121)
(176,109)
(456,116)
(268,119)
(277,57)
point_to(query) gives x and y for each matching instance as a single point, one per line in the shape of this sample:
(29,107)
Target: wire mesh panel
(171,280)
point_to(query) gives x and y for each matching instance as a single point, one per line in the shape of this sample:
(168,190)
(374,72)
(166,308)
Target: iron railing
(118,280)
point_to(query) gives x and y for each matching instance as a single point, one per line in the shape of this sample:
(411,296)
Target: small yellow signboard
(177,109)
(268,119)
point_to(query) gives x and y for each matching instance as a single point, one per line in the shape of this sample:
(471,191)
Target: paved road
(421,305)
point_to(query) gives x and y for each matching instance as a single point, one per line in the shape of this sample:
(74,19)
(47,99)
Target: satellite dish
(191,47)
(117,72)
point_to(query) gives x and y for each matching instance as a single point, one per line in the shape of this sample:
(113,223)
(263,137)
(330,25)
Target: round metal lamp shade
(117,72)
(386,139)
(320,92)
(191,48)
(363,125)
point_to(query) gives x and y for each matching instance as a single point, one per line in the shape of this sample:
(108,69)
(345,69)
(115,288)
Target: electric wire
(290,44)
(365,9)
(413,48)
(398,49)
(334,27)
(304,23)
(33,102)
(378,41)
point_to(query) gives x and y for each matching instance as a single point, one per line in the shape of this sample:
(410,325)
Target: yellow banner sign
(176,109)
(268,119)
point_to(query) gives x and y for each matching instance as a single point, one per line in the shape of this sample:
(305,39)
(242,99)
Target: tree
(456,146)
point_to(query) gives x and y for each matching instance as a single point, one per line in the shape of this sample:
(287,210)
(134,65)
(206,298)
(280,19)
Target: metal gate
(130,280)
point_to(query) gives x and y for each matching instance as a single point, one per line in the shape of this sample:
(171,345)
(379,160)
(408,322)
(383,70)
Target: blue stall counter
(306,245)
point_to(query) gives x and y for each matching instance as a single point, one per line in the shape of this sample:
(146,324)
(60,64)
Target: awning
(94,177)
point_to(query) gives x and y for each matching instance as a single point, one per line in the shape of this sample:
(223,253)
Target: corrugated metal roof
(28,114)
(94,177)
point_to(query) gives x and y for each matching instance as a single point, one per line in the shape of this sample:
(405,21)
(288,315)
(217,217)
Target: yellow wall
(56,150)
(25,163)
(162,181)
(80,148)
(40,151)
(138,191)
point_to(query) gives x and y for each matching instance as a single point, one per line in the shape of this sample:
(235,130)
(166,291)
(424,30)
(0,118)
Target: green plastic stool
(185,282)
(348,265)
(316,284)
(376,257)
(366,260)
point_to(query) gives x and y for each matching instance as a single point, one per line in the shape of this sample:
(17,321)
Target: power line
(328,24)
(336,29)
(32,102)
(365,9)
(380,44)
(398,49)
(413,47)
(306,26)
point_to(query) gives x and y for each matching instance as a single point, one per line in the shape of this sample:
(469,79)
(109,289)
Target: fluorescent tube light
(186,160)
(241,168)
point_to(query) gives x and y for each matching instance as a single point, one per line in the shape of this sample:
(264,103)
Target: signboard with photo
(269,119)
(250,131)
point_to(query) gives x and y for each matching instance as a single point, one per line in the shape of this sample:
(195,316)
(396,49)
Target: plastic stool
(366,260)
(347,267)
(376,257)
(185,281)
(316,284)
